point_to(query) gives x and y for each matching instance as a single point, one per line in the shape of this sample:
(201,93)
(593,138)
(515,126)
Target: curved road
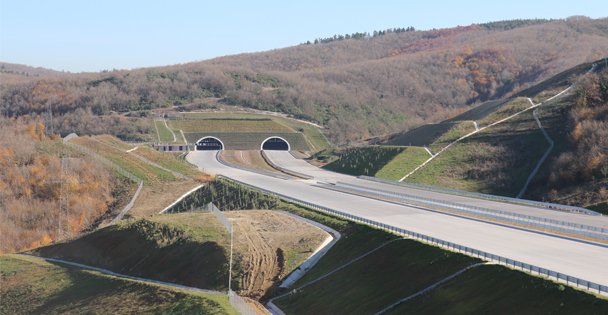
(577,259)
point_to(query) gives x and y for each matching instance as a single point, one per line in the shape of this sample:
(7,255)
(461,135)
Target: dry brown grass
(155,198)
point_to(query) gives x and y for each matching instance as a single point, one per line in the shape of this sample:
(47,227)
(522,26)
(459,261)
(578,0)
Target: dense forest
(46,192)
(356,87)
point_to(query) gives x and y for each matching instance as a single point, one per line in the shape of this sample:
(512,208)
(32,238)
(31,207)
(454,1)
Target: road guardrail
(540,204)
(539,222)
(569,280)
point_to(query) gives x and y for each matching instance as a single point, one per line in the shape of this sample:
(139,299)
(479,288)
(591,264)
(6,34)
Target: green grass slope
(403,163)
(147,249)
(149,173)
(396,270)
(493,289)
(496,160)
(390,162)
(32,286)
(168,160)
(163,134)
(363,160)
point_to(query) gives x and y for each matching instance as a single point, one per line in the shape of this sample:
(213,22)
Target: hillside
(164,175)
(357,87)
(22,73)
(193,249)
(50,191)
(32,286)
(500,158)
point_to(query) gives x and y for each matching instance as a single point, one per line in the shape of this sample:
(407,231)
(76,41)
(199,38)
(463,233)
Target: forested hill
(27,71)
(358,85)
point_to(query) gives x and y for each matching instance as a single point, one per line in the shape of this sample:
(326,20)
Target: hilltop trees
(361,35)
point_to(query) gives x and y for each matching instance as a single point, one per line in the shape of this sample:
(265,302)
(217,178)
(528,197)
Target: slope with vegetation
(164,134)
(192,249)
(33,286)
(389,162)
(496,160)
(577,170)
(499,159)
(148,249)
(482,290)
(359,161)
(164,174)
(357,87)
(49,191)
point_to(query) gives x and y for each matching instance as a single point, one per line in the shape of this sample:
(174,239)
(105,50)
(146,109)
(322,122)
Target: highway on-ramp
(578,259)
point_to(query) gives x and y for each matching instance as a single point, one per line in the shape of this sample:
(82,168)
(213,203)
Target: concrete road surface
(577,259)
(286,160)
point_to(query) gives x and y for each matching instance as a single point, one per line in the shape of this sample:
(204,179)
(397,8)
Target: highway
(286,160)
(574,258)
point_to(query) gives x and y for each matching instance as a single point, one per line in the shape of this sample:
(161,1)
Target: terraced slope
(229,125)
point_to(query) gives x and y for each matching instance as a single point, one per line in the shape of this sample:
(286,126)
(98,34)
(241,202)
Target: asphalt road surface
(573,258)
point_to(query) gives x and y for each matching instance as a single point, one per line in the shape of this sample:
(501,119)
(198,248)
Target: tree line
(361,35)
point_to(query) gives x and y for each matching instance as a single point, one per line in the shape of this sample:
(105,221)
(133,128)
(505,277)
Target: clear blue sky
(87,35)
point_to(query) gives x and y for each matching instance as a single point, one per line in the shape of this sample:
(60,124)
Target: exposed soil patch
(270,244)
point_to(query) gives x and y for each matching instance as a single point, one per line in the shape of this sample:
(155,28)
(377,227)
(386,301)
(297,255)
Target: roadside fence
(220,216)
(239,304)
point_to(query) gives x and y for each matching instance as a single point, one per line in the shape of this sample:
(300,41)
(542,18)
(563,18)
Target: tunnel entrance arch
(209,143)
(276,144)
